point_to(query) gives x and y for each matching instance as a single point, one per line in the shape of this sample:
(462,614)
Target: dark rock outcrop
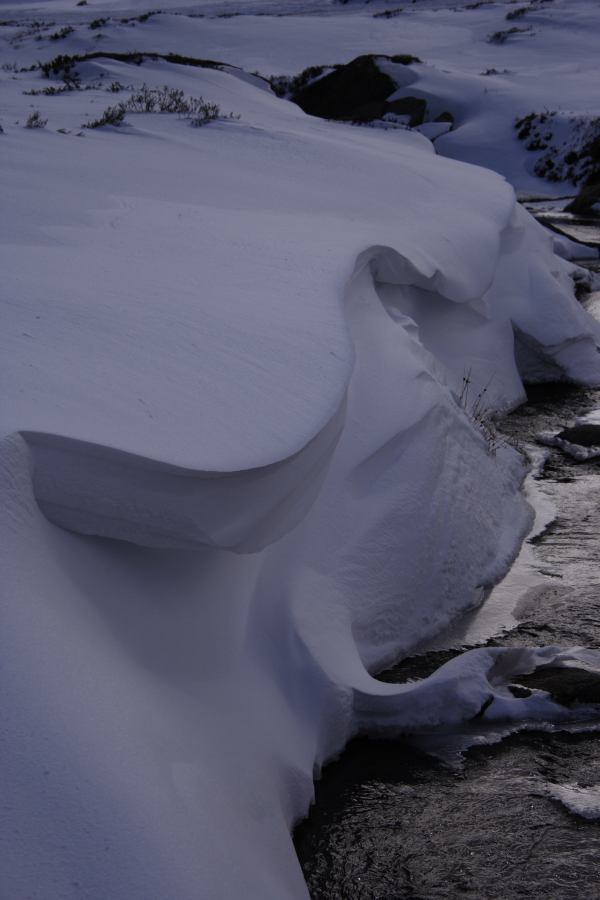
(567,686)
(358,92)
(589,195)
(584,435)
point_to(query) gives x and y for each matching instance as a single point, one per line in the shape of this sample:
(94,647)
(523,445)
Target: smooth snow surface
(245,450)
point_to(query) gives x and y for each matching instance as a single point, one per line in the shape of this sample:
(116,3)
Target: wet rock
(584,435)
(567,686)
(518,691)
(587,201)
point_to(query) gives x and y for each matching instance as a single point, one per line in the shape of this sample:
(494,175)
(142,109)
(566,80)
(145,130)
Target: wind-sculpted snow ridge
(237,477)
(99,490)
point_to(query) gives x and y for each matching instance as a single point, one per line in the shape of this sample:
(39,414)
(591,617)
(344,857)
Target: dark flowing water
(390,822)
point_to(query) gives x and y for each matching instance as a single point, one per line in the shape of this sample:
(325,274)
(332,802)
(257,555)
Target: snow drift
(237,475)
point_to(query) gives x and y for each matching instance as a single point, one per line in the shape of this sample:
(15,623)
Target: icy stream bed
(518,818)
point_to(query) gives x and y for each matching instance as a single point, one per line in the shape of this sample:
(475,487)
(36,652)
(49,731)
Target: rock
(588,198)
(415,107)
(567,686)
(584,435)
(358,92)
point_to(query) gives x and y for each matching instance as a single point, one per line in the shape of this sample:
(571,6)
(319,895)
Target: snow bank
(583,802)
(237,475)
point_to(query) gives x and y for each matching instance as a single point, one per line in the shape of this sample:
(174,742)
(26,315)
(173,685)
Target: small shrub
(35,120)
(517,13)
(480,415)
(500,37)
(97,23)
(60,63)
(172,100)
(145,16)
(164,100)
(61,33)
(196,110)
(70,83)
(112,115)
(200,112)
(388,13)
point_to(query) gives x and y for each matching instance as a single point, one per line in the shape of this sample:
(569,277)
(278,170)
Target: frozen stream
(520,818)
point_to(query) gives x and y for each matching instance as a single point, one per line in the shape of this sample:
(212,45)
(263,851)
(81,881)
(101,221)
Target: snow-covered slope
(239,466)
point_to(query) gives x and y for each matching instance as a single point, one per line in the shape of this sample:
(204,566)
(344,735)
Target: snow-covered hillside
(246,453)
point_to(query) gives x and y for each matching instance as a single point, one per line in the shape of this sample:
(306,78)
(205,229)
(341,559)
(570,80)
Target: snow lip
(94,489)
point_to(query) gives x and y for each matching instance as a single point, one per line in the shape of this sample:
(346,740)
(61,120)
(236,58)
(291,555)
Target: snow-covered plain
(239,468)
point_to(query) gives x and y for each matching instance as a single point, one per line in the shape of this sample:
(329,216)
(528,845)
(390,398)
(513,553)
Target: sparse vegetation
(517,13)
(112,115)
(62,64)
(493,71)
(196,110)
(171,100)
(500,37)
(97,23)
(201,112)
(142,18)
(61,33)
(480,414)
(388,13)
(575,159)
(71,82)
(164,100)
(145,16)
(58,65)
(49,91)
(34,120)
